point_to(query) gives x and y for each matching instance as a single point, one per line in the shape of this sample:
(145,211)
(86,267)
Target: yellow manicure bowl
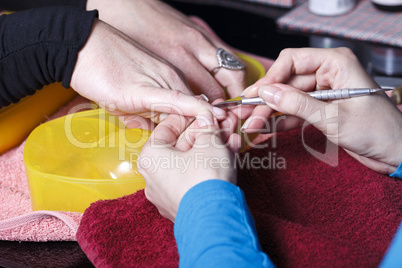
(77,159)
(83,157)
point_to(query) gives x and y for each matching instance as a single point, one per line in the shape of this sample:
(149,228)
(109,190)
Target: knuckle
(194,34)
(286,52)
(345,55)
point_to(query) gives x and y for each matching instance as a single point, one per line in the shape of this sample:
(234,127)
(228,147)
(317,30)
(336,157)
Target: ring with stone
(227,61)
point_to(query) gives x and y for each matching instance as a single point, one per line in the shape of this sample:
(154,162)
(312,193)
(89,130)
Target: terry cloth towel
(310,214)
(364,23)
(17,220)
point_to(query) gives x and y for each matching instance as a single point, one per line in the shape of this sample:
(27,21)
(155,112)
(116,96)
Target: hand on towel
(367,127)
(125,78)
(178,156)
(173,36)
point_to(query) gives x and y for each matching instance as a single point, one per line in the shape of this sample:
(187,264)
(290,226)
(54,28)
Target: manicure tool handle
(336,94)
(332,94)
(253,101)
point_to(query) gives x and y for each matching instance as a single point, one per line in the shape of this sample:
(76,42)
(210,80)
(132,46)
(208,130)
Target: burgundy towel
(307,215)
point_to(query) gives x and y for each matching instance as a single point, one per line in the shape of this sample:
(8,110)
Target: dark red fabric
(307,215)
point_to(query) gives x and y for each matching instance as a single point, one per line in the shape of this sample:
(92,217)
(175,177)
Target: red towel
(307,215)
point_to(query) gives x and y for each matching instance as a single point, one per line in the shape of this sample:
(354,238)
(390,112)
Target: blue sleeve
(214,228)
(398,172)
(393,257)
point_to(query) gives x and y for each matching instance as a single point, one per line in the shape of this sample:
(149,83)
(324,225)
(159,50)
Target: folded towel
(310,214)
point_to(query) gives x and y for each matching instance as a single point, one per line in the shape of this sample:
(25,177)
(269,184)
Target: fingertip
(218,112)
(250,91)
(204,120)
(271,94)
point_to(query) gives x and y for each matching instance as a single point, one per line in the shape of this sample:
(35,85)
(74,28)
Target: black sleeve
(15,5)
(39,47)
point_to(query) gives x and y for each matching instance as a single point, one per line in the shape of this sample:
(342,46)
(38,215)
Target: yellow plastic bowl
(75,160)
(255,70)
(80,158)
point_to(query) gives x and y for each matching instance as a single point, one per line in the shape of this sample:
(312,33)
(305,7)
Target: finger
(228,126)
(288,100)
(305,82)
(168,101)
(200,79)
(276,124)
(234,81)
(136,121)
(258,120)
(290,62)
(243,111)
(234,142)
(168,131)
(201,124)
(327,64)
(209,137)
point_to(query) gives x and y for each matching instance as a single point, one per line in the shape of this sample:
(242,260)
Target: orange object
(19,119)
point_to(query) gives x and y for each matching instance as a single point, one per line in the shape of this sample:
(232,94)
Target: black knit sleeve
(39,47)
(15,5)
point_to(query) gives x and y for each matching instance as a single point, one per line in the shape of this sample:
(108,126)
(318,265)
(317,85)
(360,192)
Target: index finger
(305,66)
(167,133)
(296,61)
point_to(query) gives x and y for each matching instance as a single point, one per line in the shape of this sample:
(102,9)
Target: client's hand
(171,35)
(126,78)
(178,156)
(367,127)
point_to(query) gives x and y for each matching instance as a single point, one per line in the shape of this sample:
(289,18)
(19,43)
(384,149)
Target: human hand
(126,78)
(367,127)
(197,153)
(307,69)
(171,35)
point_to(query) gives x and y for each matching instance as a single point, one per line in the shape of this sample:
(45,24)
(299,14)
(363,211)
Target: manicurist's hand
(180,154)
(367,127)
(126,78)
(171,35)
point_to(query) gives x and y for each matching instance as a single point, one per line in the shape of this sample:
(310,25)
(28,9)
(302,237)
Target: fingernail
(249,91)
(163,116)
(270,94)
(204,97)
(218,112)
(245,125)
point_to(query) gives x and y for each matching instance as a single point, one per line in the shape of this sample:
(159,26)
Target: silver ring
(227,61)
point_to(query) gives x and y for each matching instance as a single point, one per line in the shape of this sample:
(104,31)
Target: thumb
(291,101)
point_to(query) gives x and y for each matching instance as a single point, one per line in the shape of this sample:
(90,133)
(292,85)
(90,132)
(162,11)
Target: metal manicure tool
(332,94)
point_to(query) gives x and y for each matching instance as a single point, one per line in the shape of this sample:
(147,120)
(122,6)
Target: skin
(199,142)
(367,127)
(171,35)
(131,80)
